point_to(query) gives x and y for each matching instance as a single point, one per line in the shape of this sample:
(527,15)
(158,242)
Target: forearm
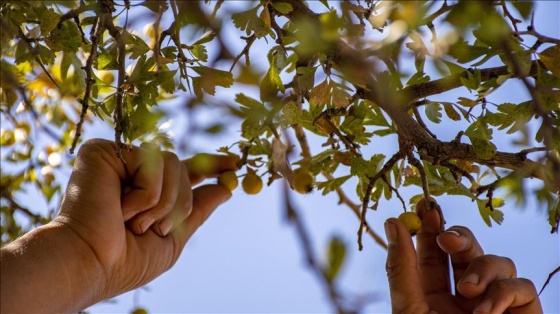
(49,270)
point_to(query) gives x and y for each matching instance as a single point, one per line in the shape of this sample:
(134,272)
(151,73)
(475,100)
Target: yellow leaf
(551,59)
(319,94)
(265,17)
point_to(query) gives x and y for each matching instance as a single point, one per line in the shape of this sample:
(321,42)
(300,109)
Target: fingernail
(165,226)
(146,223)
(391,232)
(453,232)
(484,307)
(472,278)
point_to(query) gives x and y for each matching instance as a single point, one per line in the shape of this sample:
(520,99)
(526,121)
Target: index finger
(404,280)
(461,244)
(202,166)
(432,260)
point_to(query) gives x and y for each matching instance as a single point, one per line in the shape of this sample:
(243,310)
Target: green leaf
(453,67)
(106,61)
(136,45)
(210,78)
(48,19)
(271,84)
(433,112)
(141,121)
(291,114)
(199,52)
(369,168)
(483,149)
(525,8)
(206,37)
(249,22)
(22,55)
(66,37)
(335,257)
(479,129)
(45,54)
(306,77)
(473,79)
(165,79)
(465,53)
(248,101)
(487,214)
(493,29)
(332,185)
(282,7)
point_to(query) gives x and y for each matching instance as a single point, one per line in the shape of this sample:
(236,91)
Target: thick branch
(422,90)
(350,60)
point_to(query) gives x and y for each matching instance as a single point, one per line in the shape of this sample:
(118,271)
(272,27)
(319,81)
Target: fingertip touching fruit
(411,221)
(303,181)
(252,183)
(229,180)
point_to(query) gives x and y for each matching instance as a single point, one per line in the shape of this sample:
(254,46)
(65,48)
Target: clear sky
(246,258)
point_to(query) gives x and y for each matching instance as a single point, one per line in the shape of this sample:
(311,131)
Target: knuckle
(186,207)
(92,146)
(170,157)
(529,284)
(502,285)
(152,198)
(395,270)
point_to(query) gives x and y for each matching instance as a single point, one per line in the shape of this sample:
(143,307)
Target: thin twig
(365,202)
(96,31)
(249,42)
(304,239)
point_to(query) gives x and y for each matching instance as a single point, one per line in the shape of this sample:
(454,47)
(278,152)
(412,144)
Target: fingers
(518,296)
(160,194)
(404,280)
(482,272)
(176,194)
(144,170)
(432,260)
(204,166)
(461,244)
(205,200)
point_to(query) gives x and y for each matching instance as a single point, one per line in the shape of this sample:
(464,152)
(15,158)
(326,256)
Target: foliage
(347,72)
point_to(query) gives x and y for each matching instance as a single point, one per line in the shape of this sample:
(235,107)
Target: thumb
(206,199)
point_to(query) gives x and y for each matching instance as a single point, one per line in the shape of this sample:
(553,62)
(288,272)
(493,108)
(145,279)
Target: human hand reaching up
(419,279)
(121,224)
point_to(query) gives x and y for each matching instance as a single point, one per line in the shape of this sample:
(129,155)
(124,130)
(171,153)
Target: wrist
(55,266)
(85,275)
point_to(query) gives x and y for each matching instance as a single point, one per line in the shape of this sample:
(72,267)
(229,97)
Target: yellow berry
(229,180)
(252,183)
(303,181)
(107,77)
(411,221)
(7,138)
(139,310)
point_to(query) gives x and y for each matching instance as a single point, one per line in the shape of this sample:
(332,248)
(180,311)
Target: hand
(419,280)
(152,193)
